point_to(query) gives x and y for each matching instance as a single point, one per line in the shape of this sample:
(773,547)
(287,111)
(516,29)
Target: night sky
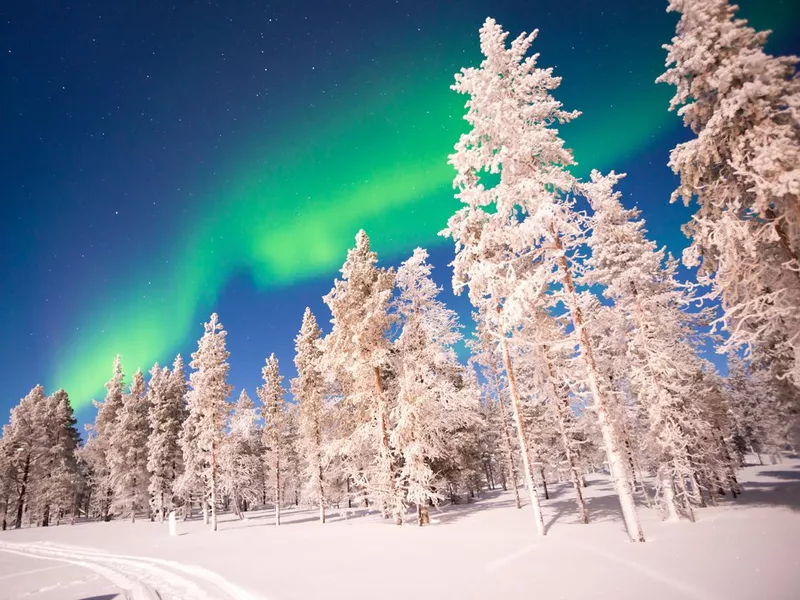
(160,161)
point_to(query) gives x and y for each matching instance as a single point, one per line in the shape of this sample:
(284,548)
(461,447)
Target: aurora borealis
(253,142)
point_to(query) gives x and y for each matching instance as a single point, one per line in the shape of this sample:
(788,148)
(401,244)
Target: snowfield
(743,549)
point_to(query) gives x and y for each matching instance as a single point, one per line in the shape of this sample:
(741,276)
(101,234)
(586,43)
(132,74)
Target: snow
(487,549)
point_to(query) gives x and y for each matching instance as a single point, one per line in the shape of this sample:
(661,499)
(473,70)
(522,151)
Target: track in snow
(141,578)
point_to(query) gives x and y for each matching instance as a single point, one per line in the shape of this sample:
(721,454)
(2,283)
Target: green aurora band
(380,164)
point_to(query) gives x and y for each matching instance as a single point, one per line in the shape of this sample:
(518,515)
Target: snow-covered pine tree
(358,348)
(166,391)
(26,442)
(741,169)
(127,452)
(241,461)
(515,240)
(208,409)
(274,413)
(430,405)
(95,453)
(59,485)
(717,473)
(308,389)
(291,482)
(189,485)
(756,416)
(661,335)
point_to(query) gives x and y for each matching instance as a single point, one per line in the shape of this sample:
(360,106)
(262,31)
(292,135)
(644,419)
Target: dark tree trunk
(22,491)
(544,485)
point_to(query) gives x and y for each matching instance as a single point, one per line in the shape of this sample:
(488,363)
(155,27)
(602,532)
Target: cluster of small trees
(587,349)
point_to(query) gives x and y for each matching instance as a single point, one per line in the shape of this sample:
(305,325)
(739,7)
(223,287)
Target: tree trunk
(22,492)
(544,483)
(667,486)
(616,462)
(213,486)
(523,444)
(423,516)
(687,505)
(321,494)
(277,488)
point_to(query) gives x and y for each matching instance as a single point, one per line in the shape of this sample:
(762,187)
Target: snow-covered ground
(744,549)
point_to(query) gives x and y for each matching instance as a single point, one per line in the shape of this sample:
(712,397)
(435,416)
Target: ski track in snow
(141,578)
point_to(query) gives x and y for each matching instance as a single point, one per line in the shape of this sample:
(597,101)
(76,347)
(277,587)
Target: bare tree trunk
(321,497)
(277,488)
(619,473)
(523,444)
(213,486)
(544,483)
(423,516)
(320,475)
(687,505)
(697,491)
(22,492)
(667,486)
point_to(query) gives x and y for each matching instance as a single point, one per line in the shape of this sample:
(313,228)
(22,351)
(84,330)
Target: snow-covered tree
(166,397)
(516,239)
(273,402)
(308,389)
(662,335)
(430,404)
(95,453)
(241,463)
(208,409)
(758,419)
(25,440)
(358,348)
(127,452)
(742,171)
(190,484)
(292,480)
(58,487)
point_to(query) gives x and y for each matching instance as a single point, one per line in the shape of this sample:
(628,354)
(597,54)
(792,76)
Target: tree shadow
(103,597)
(783,491)
(599,509)
(452,513)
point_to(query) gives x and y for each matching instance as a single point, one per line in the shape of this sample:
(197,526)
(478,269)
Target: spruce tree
(208,401)
(127,453)
(358,350)
(274,414)
(308,391)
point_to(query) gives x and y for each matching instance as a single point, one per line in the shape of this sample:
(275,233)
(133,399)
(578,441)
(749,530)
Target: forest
(588,352)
